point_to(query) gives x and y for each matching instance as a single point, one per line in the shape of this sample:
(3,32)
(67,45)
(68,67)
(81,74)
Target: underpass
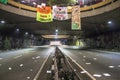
(58,63)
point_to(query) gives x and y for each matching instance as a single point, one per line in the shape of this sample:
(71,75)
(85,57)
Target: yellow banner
(44,14)
(76,20)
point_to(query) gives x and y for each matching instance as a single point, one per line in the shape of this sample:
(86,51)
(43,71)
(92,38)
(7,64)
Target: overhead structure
(93,19)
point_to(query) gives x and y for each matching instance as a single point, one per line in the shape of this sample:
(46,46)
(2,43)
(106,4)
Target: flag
(44,14)
(76,21)
(4,1)
(60,13)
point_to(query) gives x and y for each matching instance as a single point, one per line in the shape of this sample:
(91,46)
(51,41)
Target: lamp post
(26,39)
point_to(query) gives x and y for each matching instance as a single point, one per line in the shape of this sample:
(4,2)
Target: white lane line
(106,74)
(97,75)
(87,63)
(73,60)
(37,57)
(28,77)
(17,56)
(9,68)
(49,71)
(21,65)
(111,66)
(37,75)
(83,72)
(94,58)
(83,69)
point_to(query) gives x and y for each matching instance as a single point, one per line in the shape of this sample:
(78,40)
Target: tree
(7,44)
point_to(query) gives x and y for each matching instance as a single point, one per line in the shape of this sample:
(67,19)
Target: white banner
(60,13)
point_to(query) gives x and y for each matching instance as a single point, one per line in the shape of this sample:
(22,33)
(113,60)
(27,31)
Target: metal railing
(23,6)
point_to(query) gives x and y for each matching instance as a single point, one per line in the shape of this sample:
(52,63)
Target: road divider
(82,68)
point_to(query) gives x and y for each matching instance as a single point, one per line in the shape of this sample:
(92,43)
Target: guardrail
(56,69)
(17,4)
(85,11)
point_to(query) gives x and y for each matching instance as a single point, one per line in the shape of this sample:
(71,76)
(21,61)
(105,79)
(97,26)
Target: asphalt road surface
(23,64)
(101,65)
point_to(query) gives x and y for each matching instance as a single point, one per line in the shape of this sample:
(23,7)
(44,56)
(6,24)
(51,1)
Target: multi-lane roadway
(98,64)
(24,64)
(27,64)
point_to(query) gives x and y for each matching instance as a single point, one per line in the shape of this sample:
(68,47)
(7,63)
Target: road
(101,65)
(23,64)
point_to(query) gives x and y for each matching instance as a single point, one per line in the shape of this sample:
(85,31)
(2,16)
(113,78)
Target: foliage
(7,44)
(58,2)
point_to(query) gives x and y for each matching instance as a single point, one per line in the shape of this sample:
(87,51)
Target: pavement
(22,64)
(100,65)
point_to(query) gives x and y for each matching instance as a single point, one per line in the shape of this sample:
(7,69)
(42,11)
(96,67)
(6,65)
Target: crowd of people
(109,41)
(7,43)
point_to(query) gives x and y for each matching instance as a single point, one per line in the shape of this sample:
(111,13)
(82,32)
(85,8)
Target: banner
(60,13)
(76,21)
(44,14)
(3,1)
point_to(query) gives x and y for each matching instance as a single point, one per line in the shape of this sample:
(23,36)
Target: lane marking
(94,58)
(111,66)
(106,74)
(37,75)
(37,57)
(18,56)
(83,72)
(83,69)
(21,65)
(87,63)
(0,64)
(28,77)
(97,75)
(9,68)
(73,60)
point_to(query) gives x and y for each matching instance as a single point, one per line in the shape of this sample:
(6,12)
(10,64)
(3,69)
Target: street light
(26,33)
(2,21)
(109,22)
(17,30)
(56,30)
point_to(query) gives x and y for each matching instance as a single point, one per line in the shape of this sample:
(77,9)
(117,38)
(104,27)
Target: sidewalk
(107,51)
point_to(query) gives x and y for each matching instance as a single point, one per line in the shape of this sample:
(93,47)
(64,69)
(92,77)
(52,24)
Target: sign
(44,14)
(3,1)
(60,13)
(76,21)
